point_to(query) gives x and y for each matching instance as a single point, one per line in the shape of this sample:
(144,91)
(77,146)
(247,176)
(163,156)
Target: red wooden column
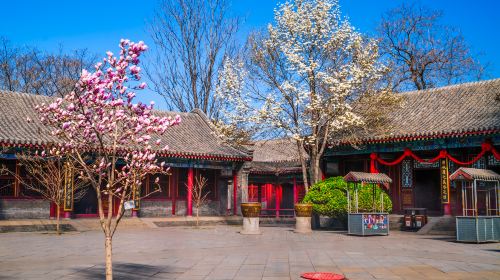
(235,193)
(190,181)
(278,194)
(447,209)
(295,195)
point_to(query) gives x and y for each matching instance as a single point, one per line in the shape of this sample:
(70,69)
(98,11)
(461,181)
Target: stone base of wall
(155,208)
(39,227)
(24,209)
(163,208)
(40,209)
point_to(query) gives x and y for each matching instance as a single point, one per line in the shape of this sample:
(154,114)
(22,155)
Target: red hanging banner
(443,154)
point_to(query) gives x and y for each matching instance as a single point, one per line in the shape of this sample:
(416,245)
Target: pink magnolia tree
(109,136)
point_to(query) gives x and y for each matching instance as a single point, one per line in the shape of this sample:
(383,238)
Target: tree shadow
(122,271)
(447,238)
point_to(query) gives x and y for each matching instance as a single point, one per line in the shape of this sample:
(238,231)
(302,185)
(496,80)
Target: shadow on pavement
(446,238)
(121,271)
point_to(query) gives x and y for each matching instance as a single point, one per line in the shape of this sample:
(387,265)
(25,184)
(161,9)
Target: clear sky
(98,25)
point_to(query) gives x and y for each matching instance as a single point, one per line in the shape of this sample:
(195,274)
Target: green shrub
(329,198)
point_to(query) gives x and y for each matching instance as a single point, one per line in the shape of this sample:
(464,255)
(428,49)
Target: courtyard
(220,252)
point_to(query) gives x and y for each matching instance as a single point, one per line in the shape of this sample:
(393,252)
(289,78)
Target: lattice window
(492,161)
(452,167)
(481,163)
(406,173)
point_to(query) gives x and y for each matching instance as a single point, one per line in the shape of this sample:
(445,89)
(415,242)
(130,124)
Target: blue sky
(98,25)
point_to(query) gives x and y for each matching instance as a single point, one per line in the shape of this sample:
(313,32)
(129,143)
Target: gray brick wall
(155,208)
(24,209)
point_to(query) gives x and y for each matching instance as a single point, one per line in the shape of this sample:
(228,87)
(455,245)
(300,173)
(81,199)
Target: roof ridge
(453,86)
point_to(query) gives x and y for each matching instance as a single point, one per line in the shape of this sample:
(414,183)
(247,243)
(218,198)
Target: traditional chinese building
(431,134)
(194,150)
(275,177)
(427,138)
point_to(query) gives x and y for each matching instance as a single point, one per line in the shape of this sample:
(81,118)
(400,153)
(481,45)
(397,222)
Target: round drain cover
(322,276)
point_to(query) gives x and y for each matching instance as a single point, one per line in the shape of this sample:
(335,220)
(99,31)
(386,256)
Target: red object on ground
(322,276)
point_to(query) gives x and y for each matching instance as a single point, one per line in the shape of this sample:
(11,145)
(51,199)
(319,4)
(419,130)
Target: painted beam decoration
(445,184)
(68,188)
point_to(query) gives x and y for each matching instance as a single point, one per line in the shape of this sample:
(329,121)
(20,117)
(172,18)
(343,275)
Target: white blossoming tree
(303,79)
(108,136)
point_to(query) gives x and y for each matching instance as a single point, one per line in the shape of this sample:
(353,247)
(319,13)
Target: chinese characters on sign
(68,188)
(445,186)
(137,197)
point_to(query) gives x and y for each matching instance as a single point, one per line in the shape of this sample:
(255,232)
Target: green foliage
(329,198)
(369,198)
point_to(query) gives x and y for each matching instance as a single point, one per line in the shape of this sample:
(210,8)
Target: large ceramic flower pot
(303,210)
(250,212)
(250,209)
(303,214)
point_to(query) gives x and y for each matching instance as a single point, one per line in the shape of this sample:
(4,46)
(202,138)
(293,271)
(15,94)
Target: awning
(470,174)
(374,178)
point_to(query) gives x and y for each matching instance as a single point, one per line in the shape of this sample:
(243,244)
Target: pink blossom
(66,125)
(101,114)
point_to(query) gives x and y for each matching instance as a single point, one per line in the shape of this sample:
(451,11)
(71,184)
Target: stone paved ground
(219,252)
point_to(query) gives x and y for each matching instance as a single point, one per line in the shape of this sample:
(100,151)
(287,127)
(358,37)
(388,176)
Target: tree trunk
(315,169)
(58,219)
(303,165)
(197,216)
(109,258)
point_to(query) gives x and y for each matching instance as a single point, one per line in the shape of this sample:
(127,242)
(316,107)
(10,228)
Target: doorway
(427,190)
(87,205)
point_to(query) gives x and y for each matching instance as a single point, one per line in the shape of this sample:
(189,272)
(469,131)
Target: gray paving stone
(221,253)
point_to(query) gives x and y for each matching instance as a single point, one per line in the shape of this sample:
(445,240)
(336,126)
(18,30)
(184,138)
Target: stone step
(444,225)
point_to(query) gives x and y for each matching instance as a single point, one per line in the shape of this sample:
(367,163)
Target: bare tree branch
(422,52)
(191,39)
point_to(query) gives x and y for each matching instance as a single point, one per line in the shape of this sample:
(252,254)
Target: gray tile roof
(354,176)
(464,173)
(451,110)
(281,167)
(468,108)
(275,150)
(276,156)
(192,138)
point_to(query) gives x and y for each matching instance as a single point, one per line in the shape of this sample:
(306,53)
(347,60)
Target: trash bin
(415,218)
(408,221)
(420,221)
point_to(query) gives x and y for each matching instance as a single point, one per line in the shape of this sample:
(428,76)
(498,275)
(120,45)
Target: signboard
(136,196)
(375,223)
(420,165)
(129,205)
(445,184)
(68,188)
